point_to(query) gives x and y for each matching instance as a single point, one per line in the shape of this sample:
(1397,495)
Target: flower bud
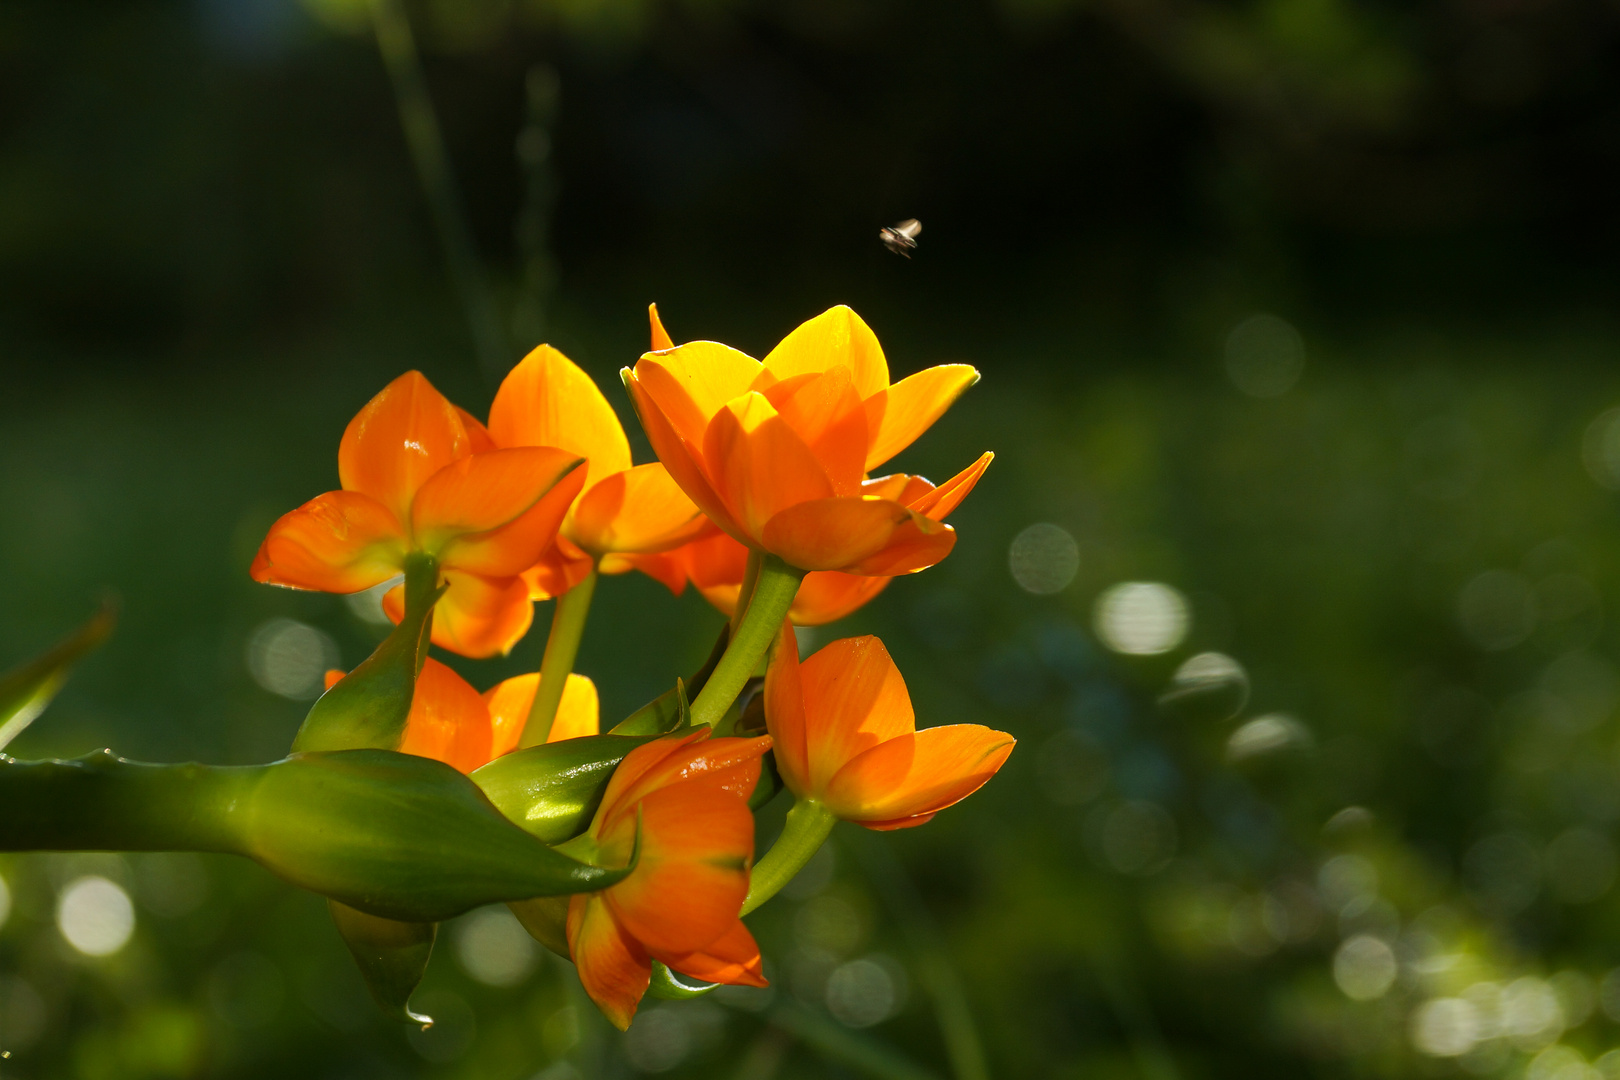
(551,790)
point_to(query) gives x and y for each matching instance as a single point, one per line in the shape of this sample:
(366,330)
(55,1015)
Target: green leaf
(369,706)
(27,689)
(392,957)
(552,790)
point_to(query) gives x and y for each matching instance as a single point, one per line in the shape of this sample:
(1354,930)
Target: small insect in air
(902,238)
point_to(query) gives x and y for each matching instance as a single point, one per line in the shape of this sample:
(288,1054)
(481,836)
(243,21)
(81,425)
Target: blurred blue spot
(1012,678)
(249,29)
(1144,771)
(1065,649)
(1100,710)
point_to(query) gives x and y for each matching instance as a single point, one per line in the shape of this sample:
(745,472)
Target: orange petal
(461,506)
(696,846)
(547,400)
(636,765)
(668,568)
(938,503)
(785,716)
(613,967)
(724,764)
(850,533)
(827,596)
(916,776)
(732,958)
(448,721)
(854,699)
(477,616)
(403,436)
(510,700)
(683,459)
(827,415)
(836,337)
(692,382)
(911,406)
(479,440)
(759,466)
(639,510)
(560,568)
(333,677)
(339,542)
(897,487)
(660,339)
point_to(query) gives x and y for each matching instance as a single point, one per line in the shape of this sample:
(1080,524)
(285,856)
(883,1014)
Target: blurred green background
(1297,331)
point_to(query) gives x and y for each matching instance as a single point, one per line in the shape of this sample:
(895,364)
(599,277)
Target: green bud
(552,790)
(390,834)
(27,689)
(369,707)
(673,986)
(391,955)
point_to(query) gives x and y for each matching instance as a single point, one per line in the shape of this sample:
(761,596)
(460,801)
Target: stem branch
(562,646)
(774,591)
(807,828)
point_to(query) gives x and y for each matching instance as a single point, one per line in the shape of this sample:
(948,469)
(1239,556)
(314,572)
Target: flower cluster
(762,499)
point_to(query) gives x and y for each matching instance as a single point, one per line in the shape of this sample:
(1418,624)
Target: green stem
(746,592)
(422,134)
(562,646)
(777,585)
(807,828)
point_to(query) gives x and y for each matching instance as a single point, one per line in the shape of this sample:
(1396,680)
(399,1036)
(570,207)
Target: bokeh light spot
(95,916)
(1445,1027)
(1364,968)
(494,948)
(1043,559)
(5,902)
(1497,610)
(1268,734)
(861,993)
(291,658)
(1264,356)
(1141,618)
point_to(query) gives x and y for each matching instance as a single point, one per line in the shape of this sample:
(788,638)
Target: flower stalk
(562,647)
(774,590)
(807,828)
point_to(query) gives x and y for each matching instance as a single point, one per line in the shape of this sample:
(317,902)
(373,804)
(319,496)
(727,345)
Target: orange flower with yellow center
(688,797)
(623,508)
(451,722)
(419,475)
(776,452)
(847,739)
(716,564)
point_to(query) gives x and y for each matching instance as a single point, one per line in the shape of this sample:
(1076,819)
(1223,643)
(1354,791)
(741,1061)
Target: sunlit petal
(462,511)
(509,702)
(692,382)
(827,596)
(613,966)
(683,459)
(560,567)
(639,510)
(826,414)
(448,721)
(732,958)
(854,698)
(938,503)
(910,407)
(759,466)
(660,339)
(339,542)
(784,714)
(477,616)
(850,533)
(917,775)
(836,337)
(404,435)
(547,400)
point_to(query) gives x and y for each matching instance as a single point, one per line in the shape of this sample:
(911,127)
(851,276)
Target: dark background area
(214,247)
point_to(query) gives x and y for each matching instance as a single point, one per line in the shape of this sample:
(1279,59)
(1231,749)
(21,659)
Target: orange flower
(846,738)
(776,453)
(451,722)
(688,795)
(546,400)
(716,563)
(420,475)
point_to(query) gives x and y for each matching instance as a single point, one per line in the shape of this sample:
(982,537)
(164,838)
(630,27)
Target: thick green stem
(807,828)
(746,592)
(562,646)
(774,591)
